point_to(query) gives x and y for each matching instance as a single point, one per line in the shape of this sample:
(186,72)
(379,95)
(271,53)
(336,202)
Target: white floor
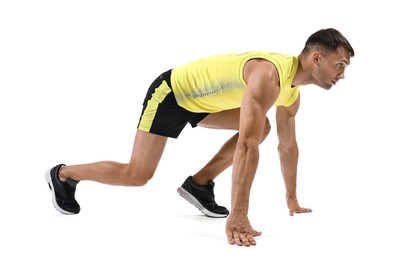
(154,221)
(73,76)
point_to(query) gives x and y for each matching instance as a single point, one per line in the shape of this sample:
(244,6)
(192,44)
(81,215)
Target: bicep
(260,95)
(252,119)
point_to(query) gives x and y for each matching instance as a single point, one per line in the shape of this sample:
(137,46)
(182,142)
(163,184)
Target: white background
(73,75)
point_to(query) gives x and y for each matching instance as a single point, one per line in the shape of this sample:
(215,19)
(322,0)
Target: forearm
(289,162)
(245,164)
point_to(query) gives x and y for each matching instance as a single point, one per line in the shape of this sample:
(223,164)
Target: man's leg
(147,151)
(198,189)
(223,158)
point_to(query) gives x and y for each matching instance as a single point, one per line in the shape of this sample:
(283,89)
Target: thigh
(227,119)
(147,151)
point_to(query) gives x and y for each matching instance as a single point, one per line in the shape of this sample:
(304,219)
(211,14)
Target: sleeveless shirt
(216,83)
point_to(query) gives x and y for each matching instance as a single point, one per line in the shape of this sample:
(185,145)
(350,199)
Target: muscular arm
(261,93)
(288,152)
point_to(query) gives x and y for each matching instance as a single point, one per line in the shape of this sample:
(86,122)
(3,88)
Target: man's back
(216,83)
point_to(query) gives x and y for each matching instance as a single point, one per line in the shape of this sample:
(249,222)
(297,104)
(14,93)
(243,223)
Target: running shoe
(203,198)
(63,193)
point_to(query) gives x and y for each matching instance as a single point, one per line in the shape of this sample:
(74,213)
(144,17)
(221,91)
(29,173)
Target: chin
(326,87)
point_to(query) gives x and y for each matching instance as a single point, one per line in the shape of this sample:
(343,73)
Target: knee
(135,177)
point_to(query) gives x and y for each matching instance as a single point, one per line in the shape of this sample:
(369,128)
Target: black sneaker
(203,198)
(63,193)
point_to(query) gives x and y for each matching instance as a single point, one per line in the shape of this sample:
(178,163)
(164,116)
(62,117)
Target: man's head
(329,52)
(327,40)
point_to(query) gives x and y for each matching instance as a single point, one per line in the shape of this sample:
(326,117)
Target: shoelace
(210,192)
(69,192)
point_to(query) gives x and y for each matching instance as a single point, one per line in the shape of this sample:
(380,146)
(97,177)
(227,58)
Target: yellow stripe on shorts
(151,108)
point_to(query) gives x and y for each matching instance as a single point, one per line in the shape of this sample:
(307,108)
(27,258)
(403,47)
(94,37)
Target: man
(232,91)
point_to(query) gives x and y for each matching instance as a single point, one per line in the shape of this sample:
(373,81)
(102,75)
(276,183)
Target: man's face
(330,68)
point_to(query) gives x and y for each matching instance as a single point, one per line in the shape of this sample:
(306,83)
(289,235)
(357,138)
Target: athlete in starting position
(232,91)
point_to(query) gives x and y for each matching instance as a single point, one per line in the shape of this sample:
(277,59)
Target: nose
(342,74)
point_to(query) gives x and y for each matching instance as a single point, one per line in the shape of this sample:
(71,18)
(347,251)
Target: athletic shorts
(161,114)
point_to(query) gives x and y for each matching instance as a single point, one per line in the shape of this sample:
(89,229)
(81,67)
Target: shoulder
(260,69)
(263,84)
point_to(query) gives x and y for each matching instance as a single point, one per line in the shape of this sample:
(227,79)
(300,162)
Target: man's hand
(294,207)
(239,231)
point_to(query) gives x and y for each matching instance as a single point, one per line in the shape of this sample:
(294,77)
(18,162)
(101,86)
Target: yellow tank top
(216,83)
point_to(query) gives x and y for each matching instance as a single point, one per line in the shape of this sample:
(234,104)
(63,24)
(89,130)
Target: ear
(316,57)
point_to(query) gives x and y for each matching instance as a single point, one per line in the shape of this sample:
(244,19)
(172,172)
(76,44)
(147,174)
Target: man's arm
(288,152)
(262,91)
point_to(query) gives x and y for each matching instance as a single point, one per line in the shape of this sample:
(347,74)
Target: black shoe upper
(64,191)
(205,195)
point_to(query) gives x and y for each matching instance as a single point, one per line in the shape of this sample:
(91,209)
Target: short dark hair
(327,40)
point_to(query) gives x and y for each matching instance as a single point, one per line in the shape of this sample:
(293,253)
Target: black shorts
(161,114)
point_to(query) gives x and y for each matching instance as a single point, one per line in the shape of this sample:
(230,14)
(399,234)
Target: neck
(303,76)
